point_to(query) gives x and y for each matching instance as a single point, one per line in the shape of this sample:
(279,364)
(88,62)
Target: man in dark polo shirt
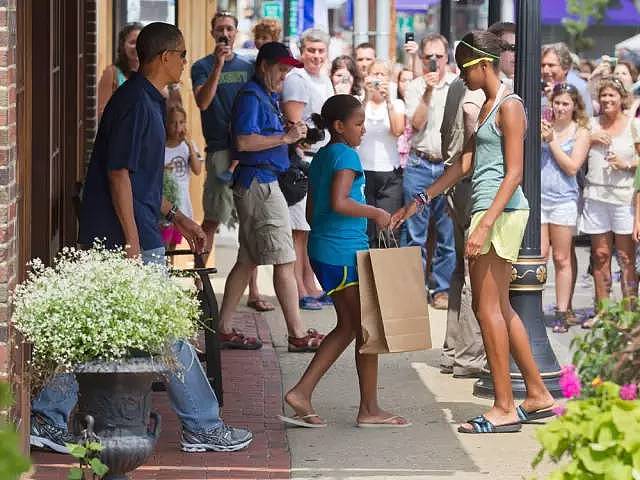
(265,230)
(121,205)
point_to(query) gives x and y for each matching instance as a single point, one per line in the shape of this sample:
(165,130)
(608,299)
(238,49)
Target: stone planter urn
(116,398)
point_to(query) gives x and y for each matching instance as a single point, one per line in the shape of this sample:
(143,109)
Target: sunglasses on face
(183,53)
(435,55)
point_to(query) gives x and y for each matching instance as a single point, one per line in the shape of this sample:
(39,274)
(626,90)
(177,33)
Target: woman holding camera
(384,123)
(565,135)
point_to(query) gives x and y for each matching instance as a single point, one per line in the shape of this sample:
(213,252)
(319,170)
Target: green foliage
(585,10)
(12,462)
(88,455)
(597,438)
(598,352)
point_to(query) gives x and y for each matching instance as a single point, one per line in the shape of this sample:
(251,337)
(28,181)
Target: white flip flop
(384,423)
(299,421)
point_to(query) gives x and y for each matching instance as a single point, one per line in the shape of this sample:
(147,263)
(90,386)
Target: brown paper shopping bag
(393,301)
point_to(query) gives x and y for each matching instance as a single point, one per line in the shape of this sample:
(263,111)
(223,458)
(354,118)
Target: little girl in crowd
(338,213)
(180,159)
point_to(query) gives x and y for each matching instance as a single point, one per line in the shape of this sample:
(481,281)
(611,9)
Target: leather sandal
(238,341)
(309,343)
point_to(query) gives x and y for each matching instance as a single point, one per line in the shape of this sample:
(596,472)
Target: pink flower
(570,382)
(559,410)
(629,391)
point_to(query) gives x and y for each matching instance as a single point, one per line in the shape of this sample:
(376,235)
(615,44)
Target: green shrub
(596,438)
(12,462)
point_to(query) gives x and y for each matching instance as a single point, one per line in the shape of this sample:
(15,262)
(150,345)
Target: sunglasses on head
(564,87)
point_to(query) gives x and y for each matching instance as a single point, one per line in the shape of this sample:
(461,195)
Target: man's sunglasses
(436,55)
(183,53)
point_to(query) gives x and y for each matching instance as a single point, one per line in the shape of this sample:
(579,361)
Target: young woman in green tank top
(494,157)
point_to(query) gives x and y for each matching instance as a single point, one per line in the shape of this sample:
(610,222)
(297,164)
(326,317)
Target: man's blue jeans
(191,396)
(418,175)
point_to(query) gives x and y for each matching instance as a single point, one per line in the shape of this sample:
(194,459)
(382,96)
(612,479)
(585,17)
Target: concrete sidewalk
(411,385)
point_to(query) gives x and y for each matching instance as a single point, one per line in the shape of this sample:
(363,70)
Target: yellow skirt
(505,235)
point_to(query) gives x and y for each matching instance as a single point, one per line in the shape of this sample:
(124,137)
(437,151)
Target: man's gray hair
(314,35)
(562,51)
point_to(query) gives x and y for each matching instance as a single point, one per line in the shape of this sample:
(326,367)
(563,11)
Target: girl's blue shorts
(334,278)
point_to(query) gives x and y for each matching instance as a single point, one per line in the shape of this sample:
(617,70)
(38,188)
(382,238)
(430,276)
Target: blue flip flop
(310,303)
(482,425)
(535,415)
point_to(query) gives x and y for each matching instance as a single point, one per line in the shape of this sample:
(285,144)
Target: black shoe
(49,437)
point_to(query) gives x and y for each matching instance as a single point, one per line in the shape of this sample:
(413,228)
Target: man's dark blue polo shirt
(256,111)
(131,135)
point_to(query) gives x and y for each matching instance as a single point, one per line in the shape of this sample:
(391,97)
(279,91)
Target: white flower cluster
(98,304)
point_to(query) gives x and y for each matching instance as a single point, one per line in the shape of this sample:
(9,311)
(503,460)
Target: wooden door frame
(21,352)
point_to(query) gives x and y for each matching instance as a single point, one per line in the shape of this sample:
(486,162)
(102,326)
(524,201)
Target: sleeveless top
(555,185)
(119,79)
(604,183)
(489,167)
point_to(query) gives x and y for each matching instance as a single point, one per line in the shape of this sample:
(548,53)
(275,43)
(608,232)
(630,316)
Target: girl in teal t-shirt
(338,213)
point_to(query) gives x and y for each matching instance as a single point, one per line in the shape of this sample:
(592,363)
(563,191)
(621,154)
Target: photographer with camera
(425,100)
(305,91)
(384,123)
(265,238)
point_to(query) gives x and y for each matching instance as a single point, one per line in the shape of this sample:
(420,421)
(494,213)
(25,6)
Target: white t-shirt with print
(379,147)
(176,161)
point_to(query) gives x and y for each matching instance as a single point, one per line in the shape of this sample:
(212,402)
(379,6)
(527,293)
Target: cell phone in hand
(409,37)
(547,114)
(433,64)
(223,41)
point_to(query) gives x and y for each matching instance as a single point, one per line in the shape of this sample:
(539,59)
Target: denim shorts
(334,278)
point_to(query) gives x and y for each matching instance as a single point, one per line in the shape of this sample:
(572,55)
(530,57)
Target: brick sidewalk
(252,398)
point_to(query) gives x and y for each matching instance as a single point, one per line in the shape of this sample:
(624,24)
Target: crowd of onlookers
(589,129)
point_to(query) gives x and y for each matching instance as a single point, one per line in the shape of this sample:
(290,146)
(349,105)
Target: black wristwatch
(171,214)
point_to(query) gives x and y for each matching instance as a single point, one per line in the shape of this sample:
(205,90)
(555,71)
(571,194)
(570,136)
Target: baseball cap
(278,52)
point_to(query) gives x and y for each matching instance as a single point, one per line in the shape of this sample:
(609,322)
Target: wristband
(422,200)
(171,214)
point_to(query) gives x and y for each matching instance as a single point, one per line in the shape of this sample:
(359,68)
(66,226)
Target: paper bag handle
(382,241)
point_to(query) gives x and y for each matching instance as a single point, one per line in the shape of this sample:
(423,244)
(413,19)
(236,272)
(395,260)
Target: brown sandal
(238,341)
(309,343)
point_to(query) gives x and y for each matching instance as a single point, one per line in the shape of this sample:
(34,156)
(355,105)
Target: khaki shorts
(217,198)
(265,229)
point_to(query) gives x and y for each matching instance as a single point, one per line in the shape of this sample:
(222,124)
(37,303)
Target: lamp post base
(527,282)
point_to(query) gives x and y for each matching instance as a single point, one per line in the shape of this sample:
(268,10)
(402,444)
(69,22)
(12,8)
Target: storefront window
(143,11)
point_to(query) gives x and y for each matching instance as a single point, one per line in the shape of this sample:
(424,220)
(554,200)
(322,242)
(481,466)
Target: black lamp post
(495,11)
(445,19)
(529,272)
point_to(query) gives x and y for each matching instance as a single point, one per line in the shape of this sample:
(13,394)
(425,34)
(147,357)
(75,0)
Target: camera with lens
(316,133)
(223,41)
